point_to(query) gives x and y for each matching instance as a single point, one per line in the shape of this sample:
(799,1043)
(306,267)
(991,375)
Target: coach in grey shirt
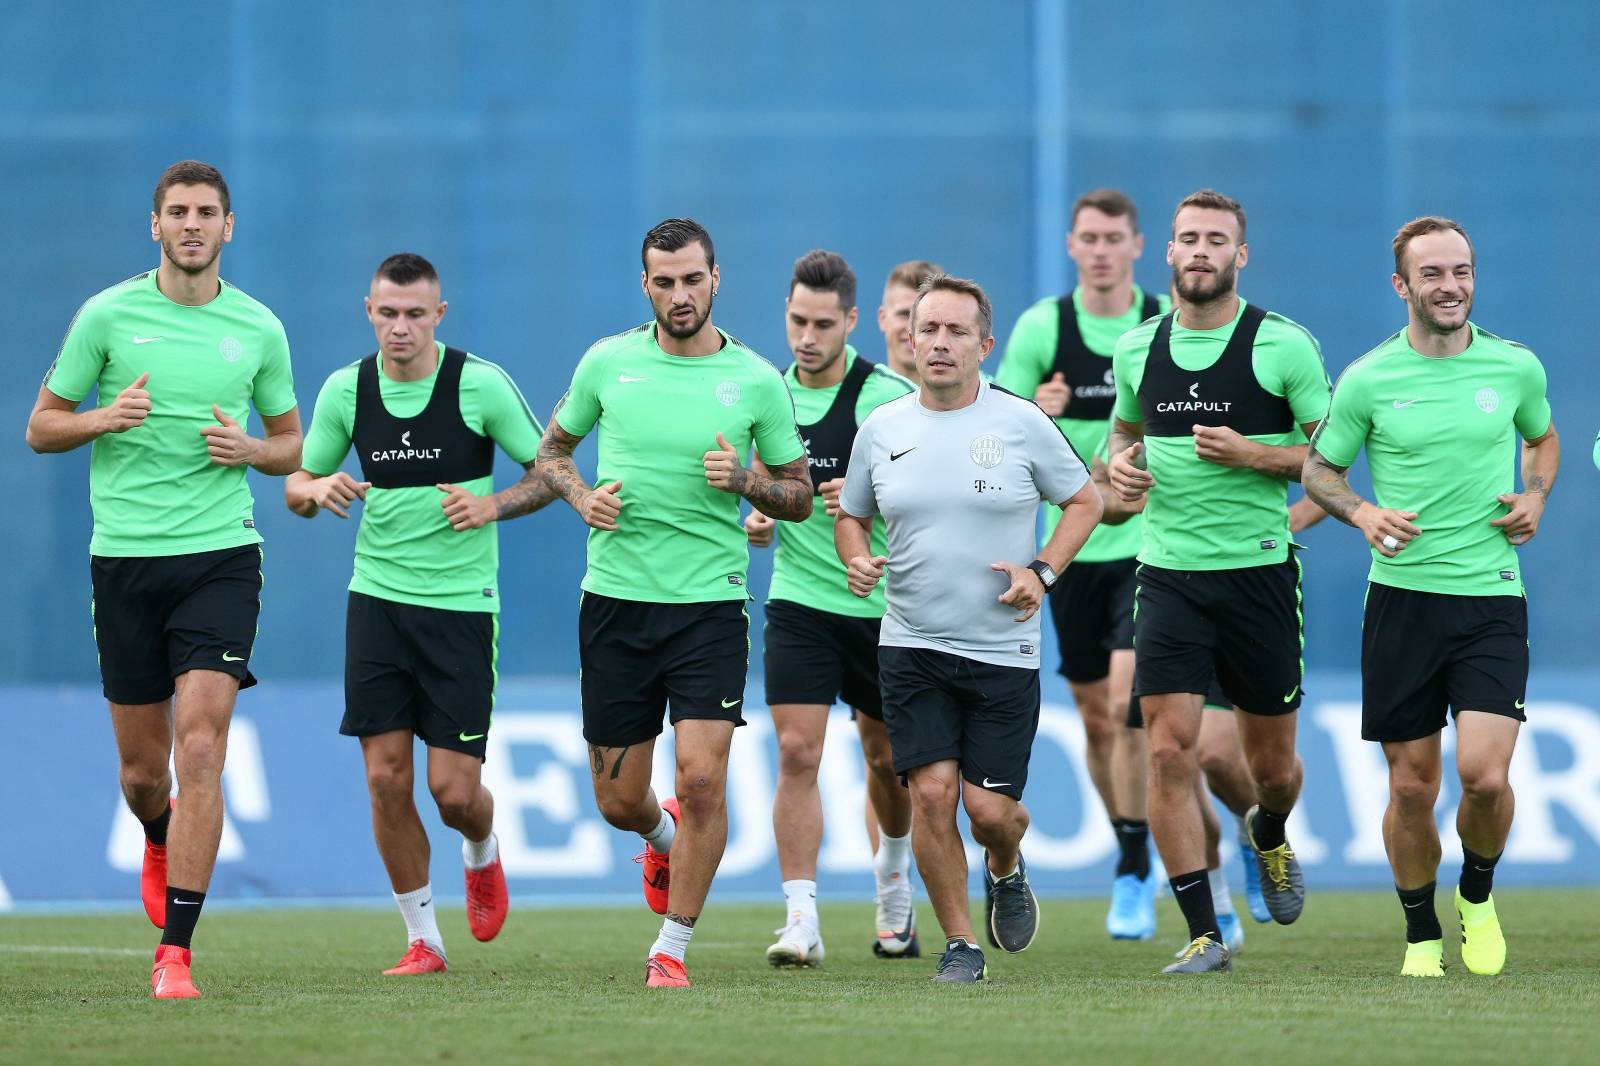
(957,469)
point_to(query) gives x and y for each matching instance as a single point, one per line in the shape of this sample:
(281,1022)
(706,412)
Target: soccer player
(822,642)
(1209,397)
(662,620)
(894,314)
(1059,353)
(422,622)
(1439,407)
(178,357)
(957,471)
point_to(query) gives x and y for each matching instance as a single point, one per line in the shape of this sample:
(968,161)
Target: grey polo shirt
(959,490)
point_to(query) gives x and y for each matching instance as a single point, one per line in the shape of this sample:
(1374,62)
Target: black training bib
(1226,393)
(1087,373)
(829,439)
(433,447)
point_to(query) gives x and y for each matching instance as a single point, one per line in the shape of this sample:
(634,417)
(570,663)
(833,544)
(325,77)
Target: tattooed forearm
(1124,435)
(597,761)
(1286,462)
(1329,486)
(556,467)
(525,497)
(1541,459)
(783,493)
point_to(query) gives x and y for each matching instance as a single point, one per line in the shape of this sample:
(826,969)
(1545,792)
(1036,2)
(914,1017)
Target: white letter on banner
(551,791)
(843,783)
(1364,776)
(749,793)
(1534,837)
(1094,840)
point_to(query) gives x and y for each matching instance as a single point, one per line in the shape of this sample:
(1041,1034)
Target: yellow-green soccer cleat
(1483,947)
(1425,959)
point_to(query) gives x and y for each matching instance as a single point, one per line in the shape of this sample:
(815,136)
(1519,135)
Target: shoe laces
(1196,946)
(894,907)
(1014,891)
(1277,861)
(955,959)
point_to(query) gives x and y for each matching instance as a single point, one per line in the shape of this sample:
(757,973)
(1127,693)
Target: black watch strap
(1047,576)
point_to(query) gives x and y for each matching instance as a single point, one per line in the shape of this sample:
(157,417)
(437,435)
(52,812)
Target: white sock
(661,836)
(800,898)
(421,922)
(1220,900)
(893,862)
(674,939)
(479,853)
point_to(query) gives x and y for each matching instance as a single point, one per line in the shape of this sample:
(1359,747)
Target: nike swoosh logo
(732,703)
(1518,705)
(895,455)
(995,784)
(1409,906)
(1408,403)
(468,740)
(626,380)
(232,658)
(1187,887)
(187,902)
(146,340)
(1290,696)
(424,903)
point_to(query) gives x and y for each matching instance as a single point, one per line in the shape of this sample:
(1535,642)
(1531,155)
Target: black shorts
(940,706)
(1425,655)
(156,617)
(814,657)
(640,658)
(1243,626)
(1092,607)
(1216,700)
(425,669)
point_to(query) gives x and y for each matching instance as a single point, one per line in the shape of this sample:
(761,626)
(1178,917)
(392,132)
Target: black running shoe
(961,963)
(1011,913)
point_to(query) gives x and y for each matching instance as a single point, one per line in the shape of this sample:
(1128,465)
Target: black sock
(155,830)
(183,911)
(1133,837)
(1193,893)
(1477,876)
(1421,921)
(1267,829)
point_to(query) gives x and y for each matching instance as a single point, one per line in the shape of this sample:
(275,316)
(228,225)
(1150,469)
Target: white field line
(64,949)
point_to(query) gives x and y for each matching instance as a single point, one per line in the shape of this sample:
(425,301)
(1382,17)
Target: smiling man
(662,621)
(1439,407)
(1209,397)
(957,471)
(178,357)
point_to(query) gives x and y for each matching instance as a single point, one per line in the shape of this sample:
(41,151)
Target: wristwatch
(1046,575)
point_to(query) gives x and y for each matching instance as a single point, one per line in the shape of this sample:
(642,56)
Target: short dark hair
(191,172)
(1427,224)
(1108,202)
(912,273)
(946,283)
(1216,201)
(826,272)
(671,234)
(405,268)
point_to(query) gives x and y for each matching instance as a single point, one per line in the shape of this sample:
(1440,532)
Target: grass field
(567,986)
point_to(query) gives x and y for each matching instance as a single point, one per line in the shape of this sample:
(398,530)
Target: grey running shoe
(1282,883)
(1010,910)
(1203,955)
(961,963)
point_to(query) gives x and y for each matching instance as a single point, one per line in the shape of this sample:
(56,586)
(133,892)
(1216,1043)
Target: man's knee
(701,785)
(991,814)
(454,799)
(143,780)
(934,793)
(799,756)
(1484,783)
(389,780)
(200,751)
(1170,760)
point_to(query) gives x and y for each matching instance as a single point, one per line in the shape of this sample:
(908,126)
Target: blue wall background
(526,148)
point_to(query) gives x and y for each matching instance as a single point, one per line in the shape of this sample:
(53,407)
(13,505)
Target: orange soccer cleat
(657,872)
(419,958)
(486,900)
(153,884)
(664,971)
(169,976)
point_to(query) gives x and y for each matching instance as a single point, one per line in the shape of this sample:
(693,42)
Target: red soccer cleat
(664,971)
(153,884)
(170,977)
(657,871)
(419,958)
(486,900)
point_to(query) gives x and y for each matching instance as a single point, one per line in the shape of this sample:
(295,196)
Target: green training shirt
(1029,355)
(678,540)
(154,489)
(1441,439)
(1201,516)
(805,567)
(405,549)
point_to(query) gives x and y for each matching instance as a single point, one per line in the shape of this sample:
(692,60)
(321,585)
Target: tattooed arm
(599,507)
(1540,460)
(783,492)
(525,497)
(1329,487)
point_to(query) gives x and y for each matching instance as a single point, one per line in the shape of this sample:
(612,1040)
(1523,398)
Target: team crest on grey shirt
(987,451)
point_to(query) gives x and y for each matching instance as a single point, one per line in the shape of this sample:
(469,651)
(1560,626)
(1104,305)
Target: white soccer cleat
(799,944)
(896,922)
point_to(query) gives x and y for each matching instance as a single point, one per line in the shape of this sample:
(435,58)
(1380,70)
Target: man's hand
(723,469)
(1026,592)
(600,506)
(1054,395)
(863,572)
(464,510)
(830,496)
(1223,446)
(336,492)
(1522,521)
(758,528)
(129,409)
(1128,477)
(227,441)
(1386,529)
